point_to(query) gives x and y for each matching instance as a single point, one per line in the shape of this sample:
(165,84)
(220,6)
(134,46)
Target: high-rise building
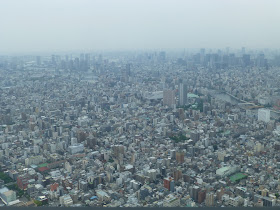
(195,136)
(202,55)
(162,56)
(183,94)
(38,60)
(169,98)
(177,174)
(166,182)
(201,196)
(172,186)
(194,192)
(261,60)
(180,157)
(209,201)
(53,60)
(246,60)
(264,115)
(128,67)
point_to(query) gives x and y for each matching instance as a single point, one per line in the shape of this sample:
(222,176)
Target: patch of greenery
(5,178)
(199,106)
(185,107)
(38,203)
(107,109)
(178,138)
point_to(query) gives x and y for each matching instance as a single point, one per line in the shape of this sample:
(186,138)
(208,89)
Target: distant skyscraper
(38,60)
(202,55)
(53,59)
(128,67)
(246,59)
(162,56)
(169,97)
(183,94)
(261,60)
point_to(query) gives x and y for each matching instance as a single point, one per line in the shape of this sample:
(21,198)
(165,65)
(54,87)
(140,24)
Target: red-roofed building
(54,186)
(43,169)
(22,181)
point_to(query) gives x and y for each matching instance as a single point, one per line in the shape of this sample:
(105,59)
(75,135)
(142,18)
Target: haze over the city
(51,25)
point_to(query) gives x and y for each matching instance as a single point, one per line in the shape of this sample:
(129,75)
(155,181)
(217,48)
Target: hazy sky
(47,25)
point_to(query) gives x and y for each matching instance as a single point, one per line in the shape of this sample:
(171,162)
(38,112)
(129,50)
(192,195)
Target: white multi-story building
(264,115)
(237,201)
(34,160)
(76,148)
(228,170)
(8,196)
(66,200)
(171,201)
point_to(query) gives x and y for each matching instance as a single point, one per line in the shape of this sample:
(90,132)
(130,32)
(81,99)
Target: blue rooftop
(93,197)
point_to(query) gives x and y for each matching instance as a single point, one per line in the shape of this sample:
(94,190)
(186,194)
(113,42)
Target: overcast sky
(60,25)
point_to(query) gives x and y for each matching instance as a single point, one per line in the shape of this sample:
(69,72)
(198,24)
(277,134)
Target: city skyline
(33,26)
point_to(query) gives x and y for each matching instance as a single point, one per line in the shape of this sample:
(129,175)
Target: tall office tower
(169,98)
(232,59)
(246,59)
(261,60)
(53,59)
(77,64)
(162,56)
(128,68)
(202,55)
(38,60)
(87,58)
(264,115)
(183,94)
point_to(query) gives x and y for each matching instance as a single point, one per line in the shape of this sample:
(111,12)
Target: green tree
(38,203)
(5,178)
